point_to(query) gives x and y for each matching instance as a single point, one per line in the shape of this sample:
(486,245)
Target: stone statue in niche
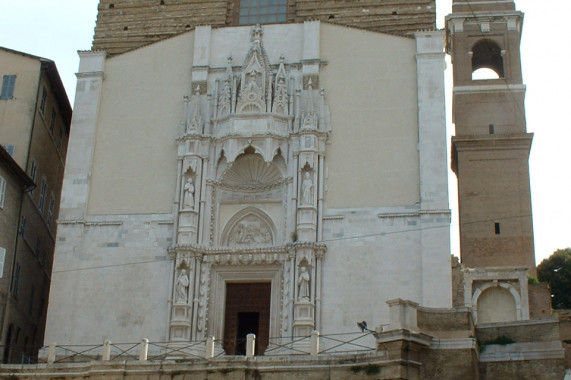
(250,231)
(303,284)
(307,190)
(189,194)
(182,287)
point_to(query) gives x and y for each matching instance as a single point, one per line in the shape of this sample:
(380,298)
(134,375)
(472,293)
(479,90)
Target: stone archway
(497,303)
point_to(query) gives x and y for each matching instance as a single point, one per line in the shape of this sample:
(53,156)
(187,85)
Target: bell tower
(490,148)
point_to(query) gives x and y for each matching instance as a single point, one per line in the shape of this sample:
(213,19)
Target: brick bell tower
(490,149)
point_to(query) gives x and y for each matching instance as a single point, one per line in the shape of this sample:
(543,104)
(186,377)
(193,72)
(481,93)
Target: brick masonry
(124,25)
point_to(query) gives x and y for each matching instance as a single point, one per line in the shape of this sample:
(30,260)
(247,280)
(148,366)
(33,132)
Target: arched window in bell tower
(487,60)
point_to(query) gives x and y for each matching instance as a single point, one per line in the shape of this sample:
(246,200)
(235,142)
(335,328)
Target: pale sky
(56,29)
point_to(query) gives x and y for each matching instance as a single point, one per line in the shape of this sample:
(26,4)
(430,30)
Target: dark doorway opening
(247,312)
(248,323)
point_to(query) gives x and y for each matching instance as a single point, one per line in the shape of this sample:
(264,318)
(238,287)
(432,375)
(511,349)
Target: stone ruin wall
(124,25)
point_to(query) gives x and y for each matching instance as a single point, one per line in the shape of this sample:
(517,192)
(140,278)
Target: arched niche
(250,169)
(497,302)
(249,227)
(487,54)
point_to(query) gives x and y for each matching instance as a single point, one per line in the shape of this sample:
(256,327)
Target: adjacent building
(35,118)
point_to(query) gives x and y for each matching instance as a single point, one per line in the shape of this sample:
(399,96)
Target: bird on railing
(363,326)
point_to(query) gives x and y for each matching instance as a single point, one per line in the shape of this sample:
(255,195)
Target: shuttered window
(8,84)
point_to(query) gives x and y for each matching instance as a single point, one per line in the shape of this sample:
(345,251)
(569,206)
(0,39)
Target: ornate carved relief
(225,97)
(309,118)
(255,77)
(203,295)
(264,149)
(249,227)
(250,169)
(281,97)
(250,230)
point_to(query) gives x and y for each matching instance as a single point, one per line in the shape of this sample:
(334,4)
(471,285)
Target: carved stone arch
(490,286)
(249,227)
(254,148)
(279,161)
(236,148)
(250,169)
(221,165)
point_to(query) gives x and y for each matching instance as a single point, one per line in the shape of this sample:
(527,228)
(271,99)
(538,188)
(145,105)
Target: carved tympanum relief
(250,230)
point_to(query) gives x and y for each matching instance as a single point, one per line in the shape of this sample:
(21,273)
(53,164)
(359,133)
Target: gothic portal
(251,154)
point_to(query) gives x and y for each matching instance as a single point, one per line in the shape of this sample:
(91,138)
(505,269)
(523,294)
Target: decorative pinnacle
(257,33)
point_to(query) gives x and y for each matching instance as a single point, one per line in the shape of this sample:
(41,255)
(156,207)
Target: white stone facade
(313,159)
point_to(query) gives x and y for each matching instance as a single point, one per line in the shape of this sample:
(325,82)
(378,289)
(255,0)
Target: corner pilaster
(75,192)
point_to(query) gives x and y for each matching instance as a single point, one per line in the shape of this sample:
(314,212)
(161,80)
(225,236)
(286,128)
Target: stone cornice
(92,74)
(492,142)
(489,87)
(254,188)
(198,250)
(413,214)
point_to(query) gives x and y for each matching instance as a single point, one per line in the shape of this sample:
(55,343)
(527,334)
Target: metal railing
(210,348)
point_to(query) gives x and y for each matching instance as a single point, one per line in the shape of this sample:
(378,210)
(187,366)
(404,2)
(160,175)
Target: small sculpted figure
(303,284)
(307,190)
(189,194)
(182,287)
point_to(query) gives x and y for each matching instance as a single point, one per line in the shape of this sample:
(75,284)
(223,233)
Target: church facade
(280,168)
(279,179)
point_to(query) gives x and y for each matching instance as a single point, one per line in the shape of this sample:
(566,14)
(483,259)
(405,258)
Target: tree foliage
(556,271)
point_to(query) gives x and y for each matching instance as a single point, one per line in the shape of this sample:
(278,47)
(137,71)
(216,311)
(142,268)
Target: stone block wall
(521,331)
(544,369)
(446,323)
(457,283)
(565,333)
(450,364)
(539,301)
(124,25)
